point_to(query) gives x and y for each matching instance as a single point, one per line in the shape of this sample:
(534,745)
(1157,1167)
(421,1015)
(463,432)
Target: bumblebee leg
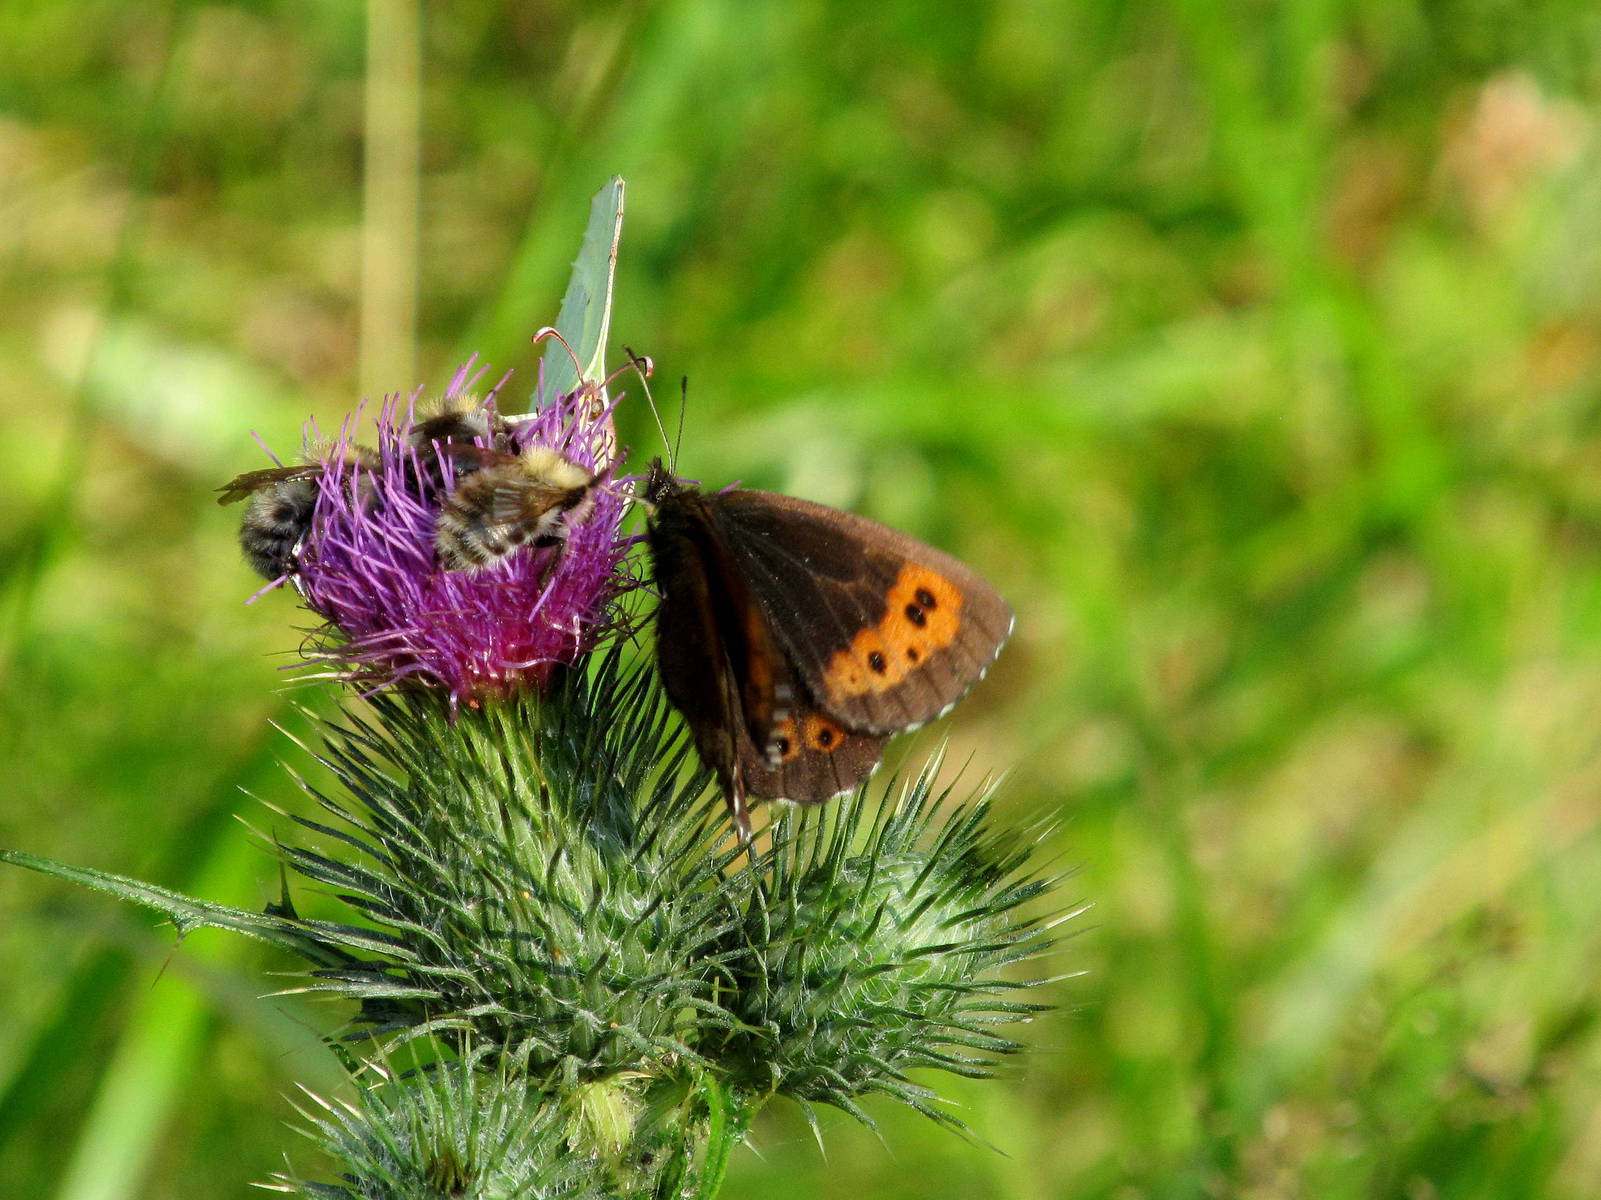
(294,571)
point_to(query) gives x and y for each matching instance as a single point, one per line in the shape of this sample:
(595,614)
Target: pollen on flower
(368,562)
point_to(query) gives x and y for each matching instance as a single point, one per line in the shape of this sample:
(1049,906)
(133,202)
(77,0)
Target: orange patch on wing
(922,614)
(821,734)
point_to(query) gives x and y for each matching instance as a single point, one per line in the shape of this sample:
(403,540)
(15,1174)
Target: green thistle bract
(878,945)
(467,1128)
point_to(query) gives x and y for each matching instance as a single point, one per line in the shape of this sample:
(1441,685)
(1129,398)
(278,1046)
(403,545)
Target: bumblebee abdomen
(277,519)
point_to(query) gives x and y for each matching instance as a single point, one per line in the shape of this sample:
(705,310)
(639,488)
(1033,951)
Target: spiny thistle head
(511,889)
(367,557)
(595,986)
(474,1124)
(878,945)
(459,1129)
(543,874)
(542,878)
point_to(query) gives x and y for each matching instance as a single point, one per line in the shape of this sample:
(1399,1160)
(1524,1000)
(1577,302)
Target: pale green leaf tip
(585,318)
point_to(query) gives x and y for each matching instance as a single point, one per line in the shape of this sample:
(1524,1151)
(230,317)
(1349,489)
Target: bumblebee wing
(525,502)
(240,487)
(472,454)
(490,515)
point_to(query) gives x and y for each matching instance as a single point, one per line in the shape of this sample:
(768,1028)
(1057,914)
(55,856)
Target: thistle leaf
(185,912)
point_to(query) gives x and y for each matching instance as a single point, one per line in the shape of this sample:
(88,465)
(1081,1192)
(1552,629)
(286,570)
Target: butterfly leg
(738,810)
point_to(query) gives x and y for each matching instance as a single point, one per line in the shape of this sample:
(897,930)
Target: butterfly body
(796,639)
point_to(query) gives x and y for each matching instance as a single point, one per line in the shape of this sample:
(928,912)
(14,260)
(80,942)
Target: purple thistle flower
(368,564)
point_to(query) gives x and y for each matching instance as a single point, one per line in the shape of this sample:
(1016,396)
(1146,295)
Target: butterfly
(796,639)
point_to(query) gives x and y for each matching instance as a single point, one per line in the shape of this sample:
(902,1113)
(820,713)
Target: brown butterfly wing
(882,632)
(724,669)
(709,627)
(813,758)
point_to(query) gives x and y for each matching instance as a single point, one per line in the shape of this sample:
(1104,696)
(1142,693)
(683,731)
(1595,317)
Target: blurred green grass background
(1251,349)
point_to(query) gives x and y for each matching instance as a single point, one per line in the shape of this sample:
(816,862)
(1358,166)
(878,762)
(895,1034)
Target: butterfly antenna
(636,362)
(550,331)
(646,368)
(683,405)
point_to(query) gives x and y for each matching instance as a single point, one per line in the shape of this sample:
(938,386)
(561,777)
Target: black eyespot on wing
(925,598)
(915,615)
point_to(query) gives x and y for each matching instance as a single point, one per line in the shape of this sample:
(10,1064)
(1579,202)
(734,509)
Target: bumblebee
(281,502)
(509,501)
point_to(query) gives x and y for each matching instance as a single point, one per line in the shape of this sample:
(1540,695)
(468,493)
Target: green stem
(725,1129)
